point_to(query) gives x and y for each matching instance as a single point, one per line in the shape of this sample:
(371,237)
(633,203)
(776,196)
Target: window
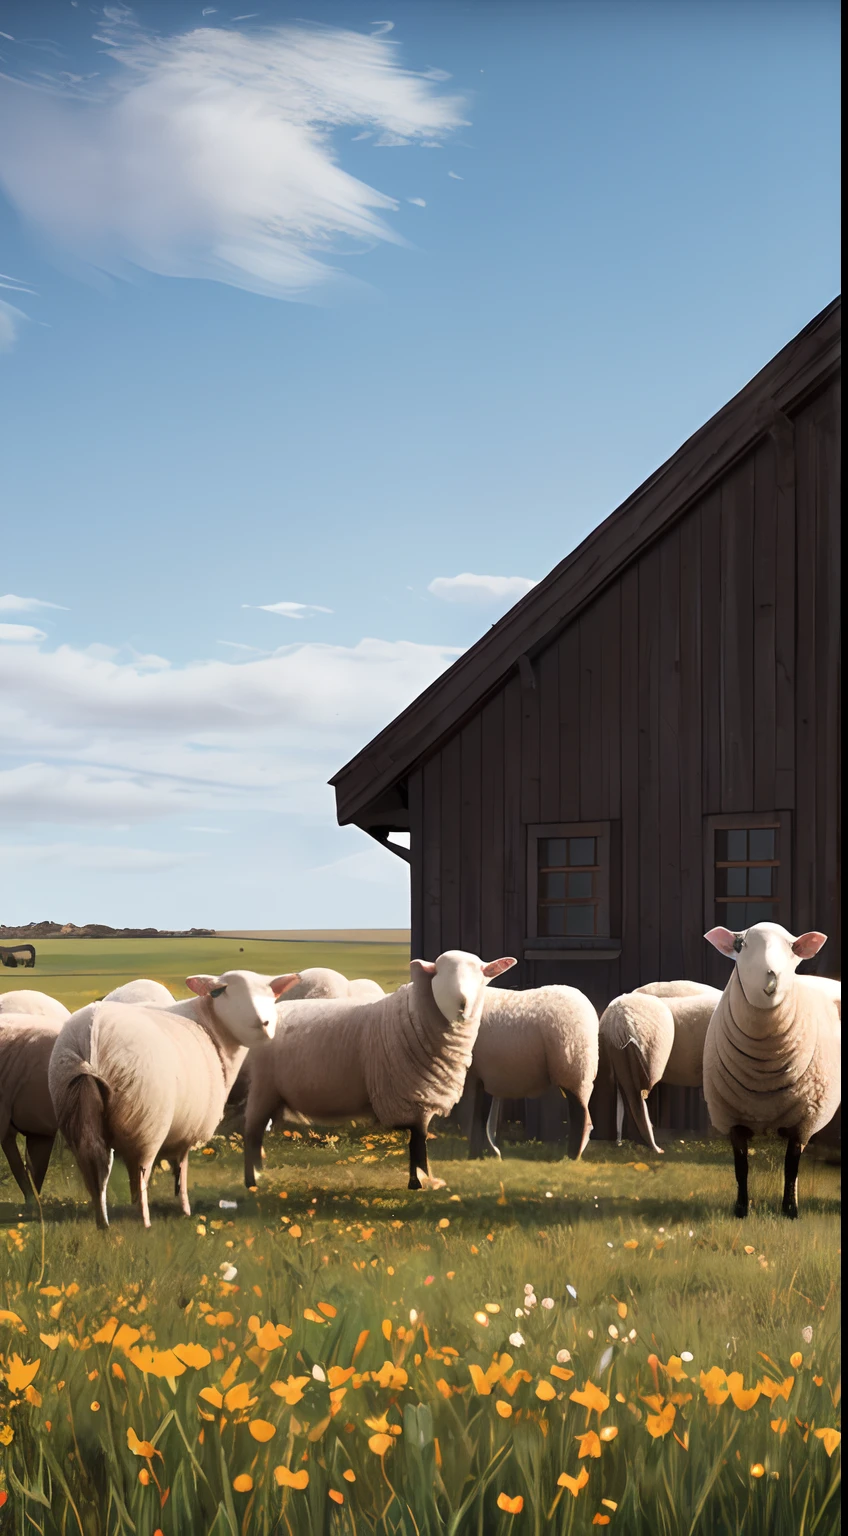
(748,870)
(568,882)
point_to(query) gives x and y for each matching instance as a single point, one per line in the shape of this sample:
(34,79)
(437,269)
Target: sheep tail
(635,1084)
(579,1125)
(82,1121)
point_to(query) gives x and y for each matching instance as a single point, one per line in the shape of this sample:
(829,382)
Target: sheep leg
(739,1138)
(134,1173)
(492,1119)
(579,1125)
(478,1119)
(15,1161)
(38,1150)
(794,1148)
(263,1102)
(635,1085)
(417,1156)
(182,1185)
(619,1118)
(144,1172)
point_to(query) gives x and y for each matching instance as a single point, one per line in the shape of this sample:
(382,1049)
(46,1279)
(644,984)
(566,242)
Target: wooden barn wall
(704,680)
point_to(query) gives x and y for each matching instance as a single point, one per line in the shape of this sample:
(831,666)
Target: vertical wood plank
(569,724)
(470,835)
(431,859)
(765,572)
(804,820)
(691,818)
(648,748)
(530,745)
(668,762)
(630,911)
(828,628)
(609,607)
(451,755)
(547,677)
(737,526)
(415,787)
(591,786)
(784,618)
(492,830)
(513,833)
(711,711)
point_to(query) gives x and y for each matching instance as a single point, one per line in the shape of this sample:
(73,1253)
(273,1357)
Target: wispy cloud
(24,634)
(468,588)
(11,320)
(71,855)
(210,154)
(10,603)
(288,610)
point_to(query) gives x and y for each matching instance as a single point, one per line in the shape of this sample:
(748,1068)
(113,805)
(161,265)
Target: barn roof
(370,789)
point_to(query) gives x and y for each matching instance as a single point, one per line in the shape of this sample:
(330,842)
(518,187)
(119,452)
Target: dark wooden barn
(649,742)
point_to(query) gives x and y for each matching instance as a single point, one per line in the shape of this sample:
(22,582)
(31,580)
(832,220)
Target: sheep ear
(423,967)
(808,945)
(201,985)
(281,984)
(722,939)
(497,967)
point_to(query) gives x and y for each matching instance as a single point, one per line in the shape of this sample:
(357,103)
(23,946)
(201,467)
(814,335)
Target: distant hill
(97,931)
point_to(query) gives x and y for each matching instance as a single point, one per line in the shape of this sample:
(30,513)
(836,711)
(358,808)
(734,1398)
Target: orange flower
(243,1483)
(560,1372)
(52,1340)
(631,1243)
(285,1478)
(20,1374)
(772,1389)
(758,1470)
(779,1426)
(510,1506)
(659,1424)
(609,1433)
(674,1370)
(591,1397)
(326,1308)
(379,1444)
(797,1359)
(589,1443)
(601,1519)
(239,1398)
(261,1430)
(144,1477)
(714,1386)
(830,1439)
(212,1395)
(291,1390)
(573,1484)
(349,1476)
(546,1391)
(156,1362)
(504,1409)
(337,1498)
(742,1397)
(141,1447)
(193,1355)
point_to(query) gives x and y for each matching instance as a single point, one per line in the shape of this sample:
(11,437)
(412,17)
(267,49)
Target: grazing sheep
(315,981)
(656,1034)
(401,1059)
(527,1043)
(141,991)
(773,1052)
(142,1080)
(26,1044)
(38,1004)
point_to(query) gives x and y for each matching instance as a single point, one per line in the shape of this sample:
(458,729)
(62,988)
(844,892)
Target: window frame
(781,821)
(588,943)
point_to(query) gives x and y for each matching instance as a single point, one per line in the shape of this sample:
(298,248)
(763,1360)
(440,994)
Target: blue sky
(301,309)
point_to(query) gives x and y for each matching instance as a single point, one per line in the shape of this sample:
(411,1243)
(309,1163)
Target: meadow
(535,1346)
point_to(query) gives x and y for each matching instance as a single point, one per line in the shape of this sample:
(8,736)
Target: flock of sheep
(145,1077)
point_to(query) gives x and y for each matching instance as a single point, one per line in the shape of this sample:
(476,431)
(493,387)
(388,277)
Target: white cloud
(468,588)
(373,865)
(22,633)
(418,201)
(71,856)
(287,610)
(9,603)
(92,738)
(209,153)
(10,323)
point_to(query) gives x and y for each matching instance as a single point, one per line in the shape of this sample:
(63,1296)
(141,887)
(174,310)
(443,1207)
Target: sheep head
(766,957)
(244,1002)
(458,982)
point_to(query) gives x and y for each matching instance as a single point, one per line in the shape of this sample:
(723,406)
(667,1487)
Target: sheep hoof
(740,1208)
(791,1211)
(415,1183)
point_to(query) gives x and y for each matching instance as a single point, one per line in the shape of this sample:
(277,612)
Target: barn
(649,742)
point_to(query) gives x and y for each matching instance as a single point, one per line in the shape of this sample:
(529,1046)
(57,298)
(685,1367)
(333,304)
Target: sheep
(37,1004)
(773,1052)
(400,1059)
(655,1034)
(315,981)
(527,1042)
(26,1044)
(138,1080)
(141,991)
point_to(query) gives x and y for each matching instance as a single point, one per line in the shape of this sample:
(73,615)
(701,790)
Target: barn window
(568,881)
(748,870)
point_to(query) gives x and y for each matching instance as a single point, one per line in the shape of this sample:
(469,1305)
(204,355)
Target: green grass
(76,971)
(333,1224)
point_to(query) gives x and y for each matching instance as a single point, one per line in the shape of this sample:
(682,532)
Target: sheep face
(458,982)
(244,1002)
(766,958)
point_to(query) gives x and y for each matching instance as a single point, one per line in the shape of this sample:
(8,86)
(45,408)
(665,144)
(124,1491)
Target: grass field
(334,1354)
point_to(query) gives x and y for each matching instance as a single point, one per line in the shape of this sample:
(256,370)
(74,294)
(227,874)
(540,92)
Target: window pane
(730,882)
(759,880)
(551,922)
(579,921)
(552,852)
(581,850)
(761,843)
(581,885)
(737,844)
(552,887)
(759,912)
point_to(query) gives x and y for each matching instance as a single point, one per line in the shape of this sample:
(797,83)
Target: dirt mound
(97,931)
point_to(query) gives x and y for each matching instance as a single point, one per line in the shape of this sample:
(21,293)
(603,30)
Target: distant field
(77,971)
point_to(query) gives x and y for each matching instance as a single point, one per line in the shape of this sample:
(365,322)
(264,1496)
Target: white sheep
(655,1034)
(141,1080)
(400,1059)
(773,1052)
(315,981)
(141,991)
(26,1044)
(527,1043)
(36,1003)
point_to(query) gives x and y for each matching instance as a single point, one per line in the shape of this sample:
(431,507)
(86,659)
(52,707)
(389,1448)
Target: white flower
(229,1273)
(660,1229)
(530,1301)
(691,1233)
(591,1332)
(547,1302)
(687,1355)
(563,1356)
(413,1315)
(519,1311)
(225,1205)
(612,1331)
(571,1291)
(528,1290)
(516,1340)
(631,1335)
(548,1195)
(609,1245)
(605,1359)
(319,1373)
(807,1334)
